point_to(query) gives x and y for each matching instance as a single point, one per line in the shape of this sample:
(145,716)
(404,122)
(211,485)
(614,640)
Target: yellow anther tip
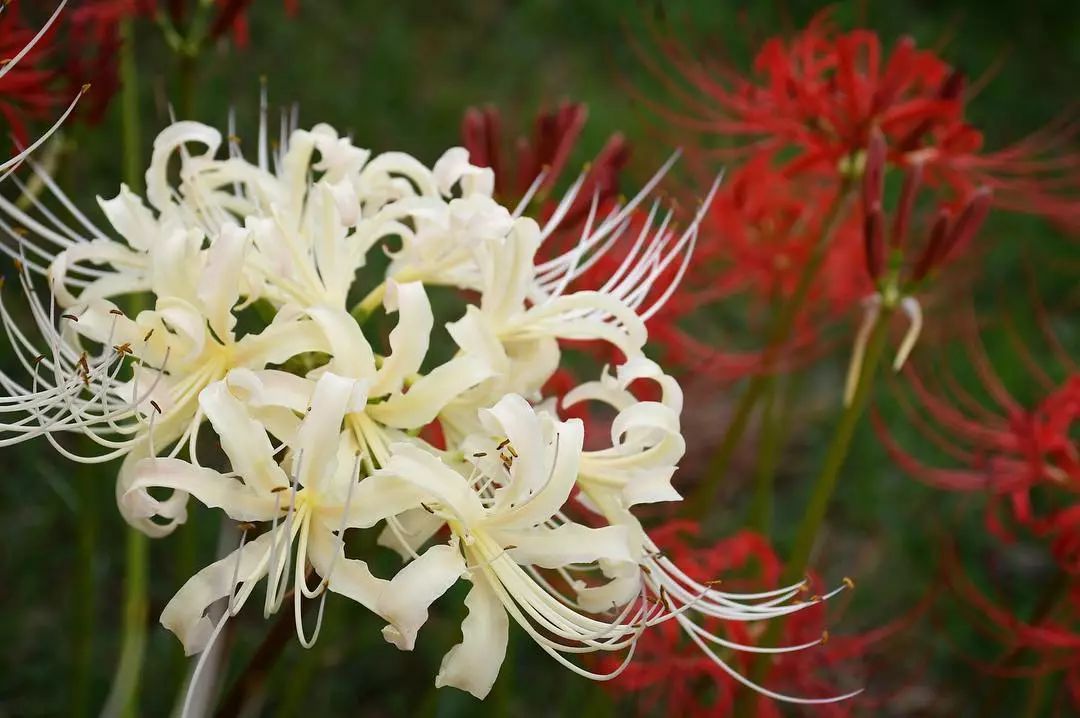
(848,582)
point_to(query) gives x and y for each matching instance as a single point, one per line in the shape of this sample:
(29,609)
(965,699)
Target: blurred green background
(398,76)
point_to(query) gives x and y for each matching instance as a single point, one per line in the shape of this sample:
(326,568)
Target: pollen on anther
(72,317)
(824,637)
(117,312)
(848,582)
(154,404)
(246,526)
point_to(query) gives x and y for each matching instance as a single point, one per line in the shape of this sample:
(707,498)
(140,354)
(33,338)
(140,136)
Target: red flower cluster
(814,99)
(1026,459)
(1045,645)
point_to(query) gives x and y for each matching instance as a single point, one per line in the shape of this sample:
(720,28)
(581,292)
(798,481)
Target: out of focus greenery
(398,76)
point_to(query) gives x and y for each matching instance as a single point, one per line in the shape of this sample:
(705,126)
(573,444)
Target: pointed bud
(902,219)
(953,87)
(969,222)
(874,171)
(874,242)
(938,235)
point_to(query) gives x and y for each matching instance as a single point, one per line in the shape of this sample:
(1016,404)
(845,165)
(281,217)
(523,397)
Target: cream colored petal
(433,480)
(166,143)
(351,352)
(318,439)
(408,340)
(184,614)
(415,528)
(473,665)
(214,490)
(405,602)
(243,439)
(569,544)
(426,398)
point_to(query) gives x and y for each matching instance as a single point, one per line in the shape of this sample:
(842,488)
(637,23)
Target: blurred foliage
(399,75)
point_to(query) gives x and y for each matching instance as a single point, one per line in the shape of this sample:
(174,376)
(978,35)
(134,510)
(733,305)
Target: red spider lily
(670,674)
(28,90)
(813,100)
(545,154)
(1046,644)
(1003,447)
(757,238)
(763,228)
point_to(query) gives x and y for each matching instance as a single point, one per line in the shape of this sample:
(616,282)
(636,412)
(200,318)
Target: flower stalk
(123,696)
(824,488)
(699,503)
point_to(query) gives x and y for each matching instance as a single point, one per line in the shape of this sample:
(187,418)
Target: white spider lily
(139,392)
(329,441)
(497,514)
(303,508)
(388,378)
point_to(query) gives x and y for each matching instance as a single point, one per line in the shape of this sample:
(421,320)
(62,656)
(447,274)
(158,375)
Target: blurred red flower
(28,89)
(1046,644)
(813,99)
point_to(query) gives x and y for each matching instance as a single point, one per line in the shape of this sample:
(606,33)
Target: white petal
(348,577)
(167,142)
(432,479)
(426,398)
(473,665)
(352,355)
(569,544)
(454,167)
(214,490)
(130,218)
(317,441)
(404,603)
(409,339)
(415,527)
(243,439)
(183,615)
(219,285)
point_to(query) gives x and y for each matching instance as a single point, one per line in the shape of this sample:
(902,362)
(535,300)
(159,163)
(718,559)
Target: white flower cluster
(257,327)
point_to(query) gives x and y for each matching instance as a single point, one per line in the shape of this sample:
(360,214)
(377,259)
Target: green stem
(85,597)
(837,453)
(698,505)
(1037,696)
(187,77)
(123,696)
(760,519)
(823,490)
